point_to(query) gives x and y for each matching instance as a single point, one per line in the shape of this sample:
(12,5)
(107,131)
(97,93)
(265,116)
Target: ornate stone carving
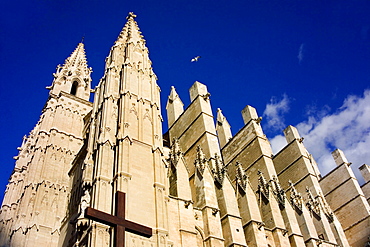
(260,225)
(295,198)
(206,96)
(131,15)
(187,203)
(175,152)
(241,177)
(85,202)
(219,169)
(258,120)
(312,204)
(263,186)
(278,191)
(326,208)
(215,211)
(147,116)
(200,161)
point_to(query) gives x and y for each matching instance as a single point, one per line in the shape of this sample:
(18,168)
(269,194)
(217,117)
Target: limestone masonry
(196,185)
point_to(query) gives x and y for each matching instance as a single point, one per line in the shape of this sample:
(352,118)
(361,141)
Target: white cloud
(301,53)
(275,111)
(347,129)
(277,143)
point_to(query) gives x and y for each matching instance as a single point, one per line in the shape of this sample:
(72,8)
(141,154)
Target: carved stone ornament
(260,225)
(206,96)
(215,211)
(200,160)
(278,191)
(312,204)
(219,169)
(175,152)
(85,202)
(187,203)
(241,177)
(263,186)
(326,208)
(131,15)
(295,197)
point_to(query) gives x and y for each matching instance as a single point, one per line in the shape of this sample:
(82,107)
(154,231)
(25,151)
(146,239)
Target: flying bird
(195,59)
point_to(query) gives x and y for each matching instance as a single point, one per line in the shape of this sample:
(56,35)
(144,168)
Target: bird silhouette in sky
(195,59)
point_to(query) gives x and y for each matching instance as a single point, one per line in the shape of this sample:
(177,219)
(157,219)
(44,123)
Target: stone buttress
(218,222)
(297,169)
(347,200)
(251,149)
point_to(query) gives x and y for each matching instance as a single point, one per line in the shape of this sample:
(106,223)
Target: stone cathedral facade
(196,185)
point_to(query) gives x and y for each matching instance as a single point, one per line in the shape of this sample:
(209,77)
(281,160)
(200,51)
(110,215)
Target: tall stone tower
(37,194)
(124,146)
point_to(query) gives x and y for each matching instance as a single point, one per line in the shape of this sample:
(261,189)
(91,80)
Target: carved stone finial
(325,207)
(219,169)
(200,161)
(312,203)
(263,186)
(278,191)
(175,152)
(131,15)
(241,177)
(295,197)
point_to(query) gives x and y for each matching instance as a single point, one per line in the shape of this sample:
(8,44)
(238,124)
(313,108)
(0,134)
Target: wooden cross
(118,221)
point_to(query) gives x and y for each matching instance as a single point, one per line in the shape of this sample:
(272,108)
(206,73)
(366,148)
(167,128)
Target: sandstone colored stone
(197,185)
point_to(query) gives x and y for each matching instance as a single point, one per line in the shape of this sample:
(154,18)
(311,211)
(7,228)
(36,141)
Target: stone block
(366,189)
(288,155)
(335,178)
(365,172)
(295,172)
(358,234)
(339,157)
(249,113)
(291,133)
(355,211)
(197,89)
(343,194)
(238,142)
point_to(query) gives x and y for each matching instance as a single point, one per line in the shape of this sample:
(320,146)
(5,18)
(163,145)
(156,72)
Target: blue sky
(304,63)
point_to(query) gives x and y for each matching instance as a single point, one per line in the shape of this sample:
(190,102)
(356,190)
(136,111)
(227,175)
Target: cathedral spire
(129,57)
(131,31)
(77,57)
(73,76)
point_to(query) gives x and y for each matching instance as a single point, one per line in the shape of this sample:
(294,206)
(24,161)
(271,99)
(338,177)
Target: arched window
(74,88)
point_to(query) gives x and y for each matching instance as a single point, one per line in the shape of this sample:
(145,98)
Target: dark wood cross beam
(118,221)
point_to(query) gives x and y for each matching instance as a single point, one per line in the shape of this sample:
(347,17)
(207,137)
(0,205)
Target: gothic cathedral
(104,174)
